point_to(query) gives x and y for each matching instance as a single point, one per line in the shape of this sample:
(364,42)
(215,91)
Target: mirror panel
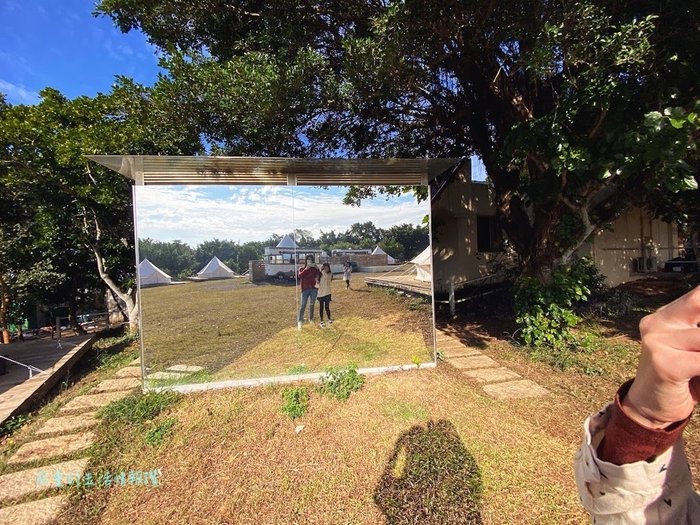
(220,284)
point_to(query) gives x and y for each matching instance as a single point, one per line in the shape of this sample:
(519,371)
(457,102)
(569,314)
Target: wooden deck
(17,390)
(407,283)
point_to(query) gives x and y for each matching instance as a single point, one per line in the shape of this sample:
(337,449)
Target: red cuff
(627,441)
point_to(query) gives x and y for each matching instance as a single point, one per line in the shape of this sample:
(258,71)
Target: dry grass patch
(403,444)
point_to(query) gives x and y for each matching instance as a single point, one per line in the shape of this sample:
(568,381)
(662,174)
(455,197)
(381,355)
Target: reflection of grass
(187,379)
(240,330)
(350,340)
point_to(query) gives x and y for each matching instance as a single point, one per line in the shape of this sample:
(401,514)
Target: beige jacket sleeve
(658,492)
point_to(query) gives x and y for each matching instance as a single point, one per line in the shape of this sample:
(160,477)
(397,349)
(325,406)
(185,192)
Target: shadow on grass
(430,478)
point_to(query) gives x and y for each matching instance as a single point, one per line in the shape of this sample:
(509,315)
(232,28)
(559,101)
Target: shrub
(545,311)
(341,382)
(296,401)
(157,434)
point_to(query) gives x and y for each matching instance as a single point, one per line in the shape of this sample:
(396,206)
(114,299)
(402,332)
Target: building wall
(456,259)
(634,233)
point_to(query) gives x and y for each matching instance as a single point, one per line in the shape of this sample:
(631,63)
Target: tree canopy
(557,98)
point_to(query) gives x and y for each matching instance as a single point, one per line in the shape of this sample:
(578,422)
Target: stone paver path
(93,401)
(111,385)
(129,371)
(50,447)
(41,512)
(69,437)
(25,482)
(499,382)
(190,369)
(67,424)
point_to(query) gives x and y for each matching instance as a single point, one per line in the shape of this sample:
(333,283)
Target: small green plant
(157,434)
(296,401)
(416,360)
(339,383)
(138,408)
(415,304)
(13,424)
(298,369)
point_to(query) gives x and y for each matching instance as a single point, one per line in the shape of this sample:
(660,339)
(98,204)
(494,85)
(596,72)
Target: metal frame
(173,170)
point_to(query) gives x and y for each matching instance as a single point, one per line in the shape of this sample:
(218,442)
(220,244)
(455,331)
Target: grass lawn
(420,447)
(237,330)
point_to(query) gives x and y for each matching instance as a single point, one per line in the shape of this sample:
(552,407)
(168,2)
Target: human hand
(667,386)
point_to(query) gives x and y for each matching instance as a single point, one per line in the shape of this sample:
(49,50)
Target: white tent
(287,242)
(389,258)
(423,262)
(150,274)
(215,269)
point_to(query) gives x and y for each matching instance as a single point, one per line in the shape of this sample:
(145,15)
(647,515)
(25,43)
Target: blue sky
(59,44)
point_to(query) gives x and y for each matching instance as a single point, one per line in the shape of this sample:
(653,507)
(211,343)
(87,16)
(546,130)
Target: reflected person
(347,271)
(324,293)
(309,277)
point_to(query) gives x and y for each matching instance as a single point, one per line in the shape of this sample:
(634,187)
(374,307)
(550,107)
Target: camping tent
(150,274)
(287,242)
(423,262)
(215,269)
(389,258)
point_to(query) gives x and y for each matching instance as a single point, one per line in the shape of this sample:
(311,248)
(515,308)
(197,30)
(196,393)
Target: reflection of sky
(194,214)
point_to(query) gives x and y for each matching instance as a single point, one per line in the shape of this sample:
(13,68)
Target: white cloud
(196,214)
(18,94)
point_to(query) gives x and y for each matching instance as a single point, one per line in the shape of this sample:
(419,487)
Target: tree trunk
(132,308)
(4,310)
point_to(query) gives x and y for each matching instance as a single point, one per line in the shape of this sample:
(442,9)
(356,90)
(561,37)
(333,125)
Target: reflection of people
(308,277)
(324,292)
(631,467)
(347,270)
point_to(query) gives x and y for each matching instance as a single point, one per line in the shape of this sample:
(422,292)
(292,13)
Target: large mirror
(224,272)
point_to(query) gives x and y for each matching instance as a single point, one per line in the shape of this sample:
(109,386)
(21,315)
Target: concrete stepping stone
(20,484)
(40,512)
(93,401)
(129,371)
(136,362)
(515,390)
(469,363)
(68,424)
(463,351)
(112,385)
(190,369)
(492,375)
(166,376)
(55,446)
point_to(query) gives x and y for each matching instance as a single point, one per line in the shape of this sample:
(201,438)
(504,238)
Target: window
(488,236)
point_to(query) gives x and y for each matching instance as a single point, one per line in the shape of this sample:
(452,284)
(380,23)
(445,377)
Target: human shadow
(430,479)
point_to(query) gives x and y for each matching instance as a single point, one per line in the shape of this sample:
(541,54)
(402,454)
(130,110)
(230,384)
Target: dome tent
(151,275)
(215,269)
(423,262)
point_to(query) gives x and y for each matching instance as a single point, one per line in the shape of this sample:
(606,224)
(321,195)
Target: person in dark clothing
(309,276)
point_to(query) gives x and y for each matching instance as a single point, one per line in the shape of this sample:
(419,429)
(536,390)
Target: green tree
(175,258)
(553,96)
(82,212)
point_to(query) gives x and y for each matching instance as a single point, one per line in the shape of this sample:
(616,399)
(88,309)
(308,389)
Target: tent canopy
(287,242)
(215,269)
(150,274)
(379,251)
(423,262)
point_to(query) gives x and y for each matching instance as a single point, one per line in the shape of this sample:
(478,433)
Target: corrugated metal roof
(161,170)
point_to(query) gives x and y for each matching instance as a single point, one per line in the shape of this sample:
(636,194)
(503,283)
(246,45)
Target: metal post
(452,298)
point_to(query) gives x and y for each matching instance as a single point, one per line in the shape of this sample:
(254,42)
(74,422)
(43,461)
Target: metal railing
(31,368)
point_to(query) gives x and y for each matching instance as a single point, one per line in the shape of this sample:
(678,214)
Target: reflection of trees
(430,479)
